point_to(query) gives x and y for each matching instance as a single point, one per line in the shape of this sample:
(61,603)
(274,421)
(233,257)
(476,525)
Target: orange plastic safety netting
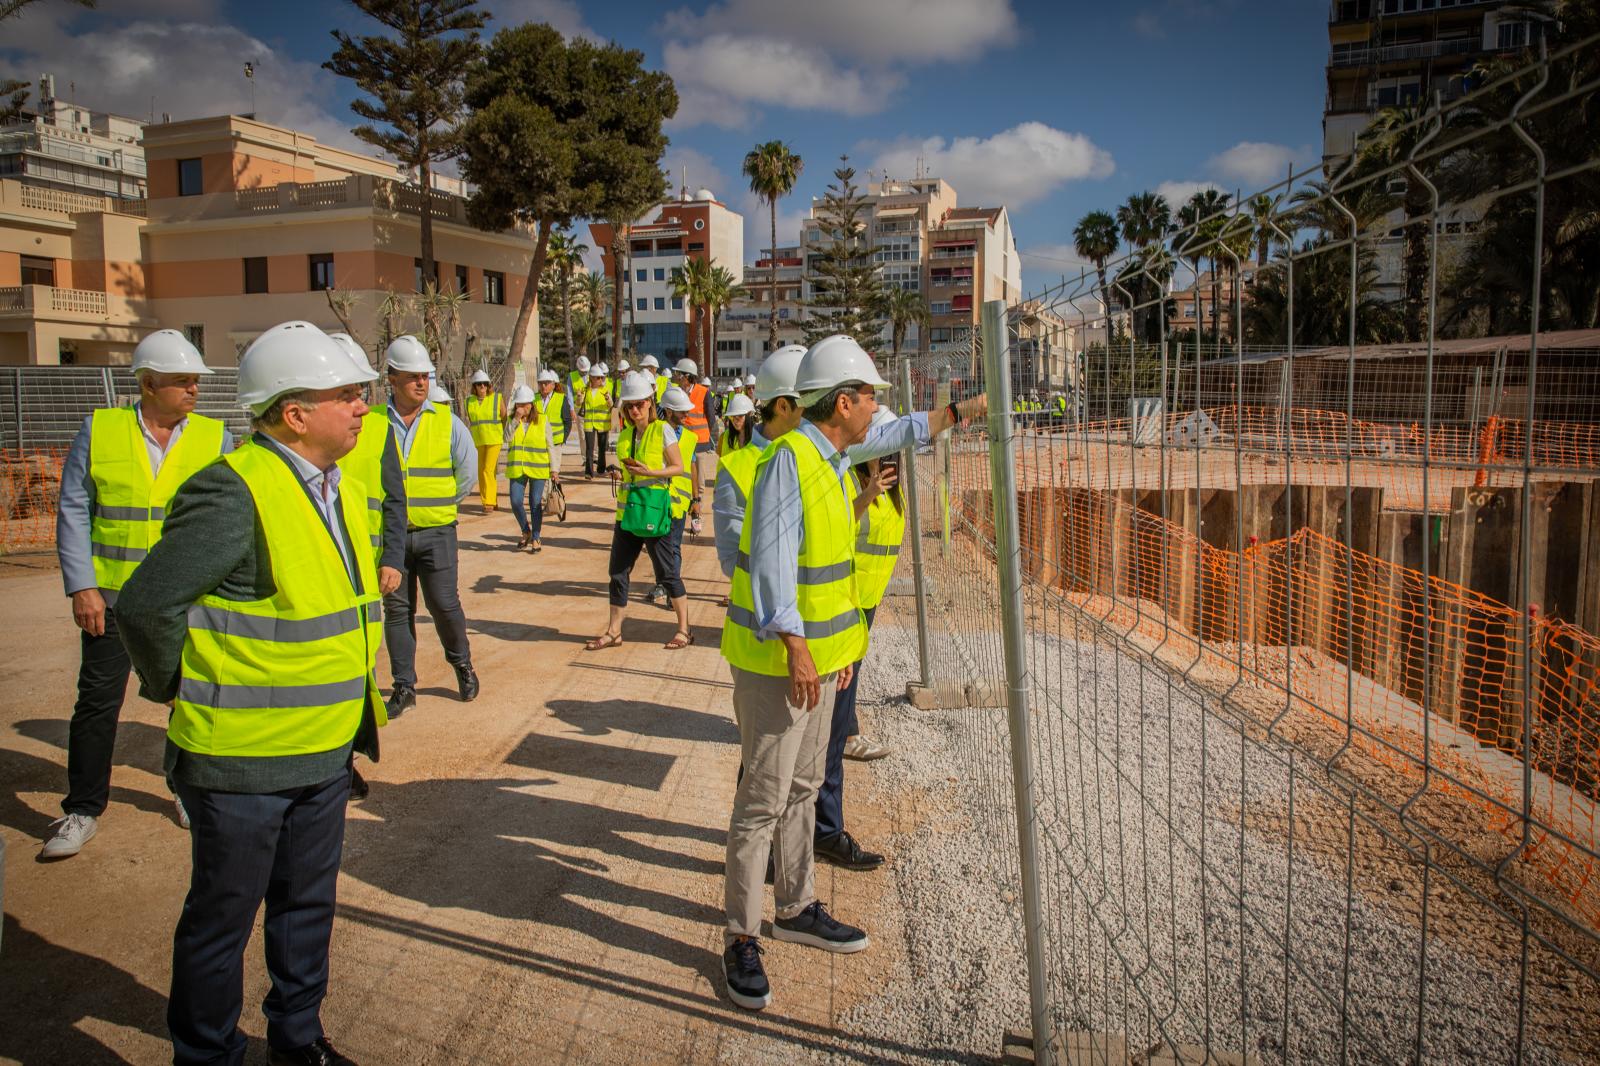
(30,483)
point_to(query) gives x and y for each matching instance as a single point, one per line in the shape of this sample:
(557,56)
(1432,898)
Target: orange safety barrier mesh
(30,484)
(1445,689)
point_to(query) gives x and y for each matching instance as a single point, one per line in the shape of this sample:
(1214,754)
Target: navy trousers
(830,797)
(281,847)
(92,735)
(430,564)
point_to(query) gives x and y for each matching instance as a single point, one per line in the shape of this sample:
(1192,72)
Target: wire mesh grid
(1313,686)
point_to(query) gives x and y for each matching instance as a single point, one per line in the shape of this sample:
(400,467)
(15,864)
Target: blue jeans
(531,518)
(830,797)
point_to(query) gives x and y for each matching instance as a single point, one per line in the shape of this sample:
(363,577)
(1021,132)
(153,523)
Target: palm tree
(1388,142)
(1263,210)
(772,169)
(565,255)
(594,292)
(722,289)
(1095,239)
(692,284)
(1145,218)
(1202,220)
(904,309)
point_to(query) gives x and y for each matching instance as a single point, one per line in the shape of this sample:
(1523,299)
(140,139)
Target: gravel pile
(1143,795)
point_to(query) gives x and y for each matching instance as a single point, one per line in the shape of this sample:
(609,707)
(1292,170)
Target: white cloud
(1013,167)
(563,15)
(681,162)
(721,74)
(1177,193)
(1148,24)
(1254,163)
(881,31)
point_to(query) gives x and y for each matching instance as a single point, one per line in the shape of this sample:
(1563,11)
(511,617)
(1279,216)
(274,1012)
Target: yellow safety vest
(129,503)
(652,452)
(662,384)
(365,464)
(834,630)
(683,484)
(530,451)
(575,380)
(486,418)
(597,408)
(550,408)
(430,474)
(289,674)
(741,467)
(878,540)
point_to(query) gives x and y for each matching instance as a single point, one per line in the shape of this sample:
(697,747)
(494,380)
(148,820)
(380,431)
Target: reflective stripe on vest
(430,472)
(825,586)
(596,408)
(550,408)
(652,452)
(529,455)
(129,503)
(365,464)
(290,674)
(695,421)
(877,548)
(683,484)
(486,418)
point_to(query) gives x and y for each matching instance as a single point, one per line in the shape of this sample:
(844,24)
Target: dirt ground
(536,877)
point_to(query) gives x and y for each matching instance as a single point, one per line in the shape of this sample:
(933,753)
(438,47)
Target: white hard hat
(601,369)
(637,387)
(166,351)
(623,367)
(353,350)
(650,361)
(739,405)
(548,375)
(706,382)
(686,366)
(438,394)
(750,379)
(292,356)
(408,355)
(776,377)
(883,416)
(480,377)
(675,399)
(831,362)
(582,365)
(523,394)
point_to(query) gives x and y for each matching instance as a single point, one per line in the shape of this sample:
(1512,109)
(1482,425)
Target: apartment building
(60,145)
(742,334)
(246,225)
(694,226)
(1044,359)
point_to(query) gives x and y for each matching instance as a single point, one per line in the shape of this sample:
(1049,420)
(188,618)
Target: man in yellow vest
(660,381)
(257,618)
(121,472)
(577,378)
(486,418)
(556,412)
(595,406)
(436,450)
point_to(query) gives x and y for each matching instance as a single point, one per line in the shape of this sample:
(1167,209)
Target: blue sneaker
(816,927)
(747,980)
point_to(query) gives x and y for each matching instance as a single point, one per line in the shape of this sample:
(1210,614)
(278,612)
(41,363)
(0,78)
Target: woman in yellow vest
(594,404)
(486,418)
(739,421)
(647,448)
(528,465)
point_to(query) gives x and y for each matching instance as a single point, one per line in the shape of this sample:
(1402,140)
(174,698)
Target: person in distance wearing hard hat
(750,387)
(658,381)
(257,616)
(555,407)
(122,469)
(486,418)
(738,424)
(674,406)
(437,451)
(698,422)
(578,376)
(530,465)
(375,462)
(647,448)
(595,403)
(793,634)
(438,394)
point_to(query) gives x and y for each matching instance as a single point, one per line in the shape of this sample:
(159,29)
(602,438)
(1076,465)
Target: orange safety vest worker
(695,421)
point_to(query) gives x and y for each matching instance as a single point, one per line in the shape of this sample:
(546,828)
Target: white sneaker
(863,750)
(183,815)
(76,831)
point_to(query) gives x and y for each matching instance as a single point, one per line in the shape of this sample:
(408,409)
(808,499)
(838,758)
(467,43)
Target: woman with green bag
(647,448)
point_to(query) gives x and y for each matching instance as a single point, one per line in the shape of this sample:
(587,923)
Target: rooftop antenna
(250,76)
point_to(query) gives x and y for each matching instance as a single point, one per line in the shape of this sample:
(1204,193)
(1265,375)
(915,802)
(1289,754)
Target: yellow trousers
(488,459)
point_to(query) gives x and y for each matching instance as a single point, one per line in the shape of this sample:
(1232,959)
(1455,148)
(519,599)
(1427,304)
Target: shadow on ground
(598,718)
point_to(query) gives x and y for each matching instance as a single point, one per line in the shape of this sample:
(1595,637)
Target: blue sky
(1052,108)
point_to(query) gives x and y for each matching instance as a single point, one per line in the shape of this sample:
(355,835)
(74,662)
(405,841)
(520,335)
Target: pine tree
(846,283)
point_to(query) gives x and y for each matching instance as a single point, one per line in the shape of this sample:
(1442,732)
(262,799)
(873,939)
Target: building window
(494,287)
(461,279)
(697,246)
(255,274)
(38,271)
(189,177)
(1512,35)
(677,303)
(196,335)
(661,303)
(641,304)
(939,307)
(416,277)
(641,274)
(730,346)
(661,273)
(321,271)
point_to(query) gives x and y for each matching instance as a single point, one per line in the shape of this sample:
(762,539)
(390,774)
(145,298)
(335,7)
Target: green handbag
(647,512)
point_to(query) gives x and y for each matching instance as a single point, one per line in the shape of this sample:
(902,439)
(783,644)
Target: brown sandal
(680,639)
(603,641)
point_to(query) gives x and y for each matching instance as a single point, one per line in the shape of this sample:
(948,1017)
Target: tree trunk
(427,223)
(1415,269)
(566,306)
(528,310)
(616,291)
(772,297)
(633,326)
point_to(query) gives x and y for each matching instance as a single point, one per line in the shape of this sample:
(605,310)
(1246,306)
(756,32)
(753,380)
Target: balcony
(64,203)
(356,192)
(963,251)
(1366,55)
(1363,10)
(46,302)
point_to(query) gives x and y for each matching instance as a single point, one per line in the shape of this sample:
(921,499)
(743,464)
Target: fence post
(908,475)
(1008,554)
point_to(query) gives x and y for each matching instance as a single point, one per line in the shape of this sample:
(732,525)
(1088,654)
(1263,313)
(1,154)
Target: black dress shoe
(841,849)
(317,1053)
(401,700)
(358,785)
(467,682)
